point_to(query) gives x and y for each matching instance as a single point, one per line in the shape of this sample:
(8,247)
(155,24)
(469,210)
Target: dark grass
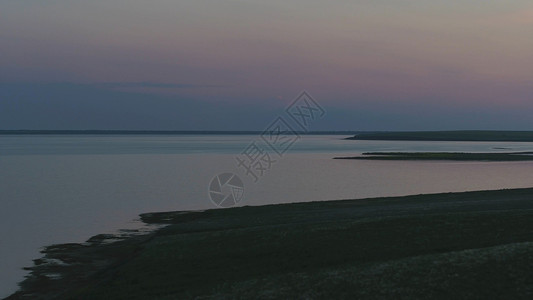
(462,135)
(457,156)
(474,245)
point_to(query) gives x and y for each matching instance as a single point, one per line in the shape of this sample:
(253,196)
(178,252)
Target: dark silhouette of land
(155,132)
(474,245)
(461,135)
(457,156)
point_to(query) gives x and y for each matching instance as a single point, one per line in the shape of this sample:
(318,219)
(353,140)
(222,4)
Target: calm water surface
(57,189)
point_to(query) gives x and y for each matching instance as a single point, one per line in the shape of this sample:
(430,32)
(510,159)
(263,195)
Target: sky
(236,64)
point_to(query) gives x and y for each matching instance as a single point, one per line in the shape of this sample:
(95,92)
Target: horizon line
(244,132)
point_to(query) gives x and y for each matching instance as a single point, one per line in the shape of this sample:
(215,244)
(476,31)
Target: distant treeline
(463,135)
(153,132)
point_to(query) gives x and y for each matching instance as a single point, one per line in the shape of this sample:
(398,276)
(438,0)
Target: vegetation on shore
(460,135)
(460,156)
(474,245)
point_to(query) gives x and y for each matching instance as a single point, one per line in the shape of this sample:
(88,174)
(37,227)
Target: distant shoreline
(158,132)
(451,156)
(457,136)
(451,136)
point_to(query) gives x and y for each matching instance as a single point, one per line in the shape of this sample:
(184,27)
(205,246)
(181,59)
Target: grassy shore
(458,156)
(462,135)
(474,245)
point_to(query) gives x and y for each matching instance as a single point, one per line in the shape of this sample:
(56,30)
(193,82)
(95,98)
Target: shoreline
(219,239)
(449,136)
(445,156)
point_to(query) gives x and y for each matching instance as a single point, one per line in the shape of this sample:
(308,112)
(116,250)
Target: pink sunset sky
(447,58)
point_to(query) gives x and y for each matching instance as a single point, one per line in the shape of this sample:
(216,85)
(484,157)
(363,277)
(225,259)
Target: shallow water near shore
(58,189)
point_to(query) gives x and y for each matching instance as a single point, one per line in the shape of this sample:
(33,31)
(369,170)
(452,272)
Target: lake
(66,188)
